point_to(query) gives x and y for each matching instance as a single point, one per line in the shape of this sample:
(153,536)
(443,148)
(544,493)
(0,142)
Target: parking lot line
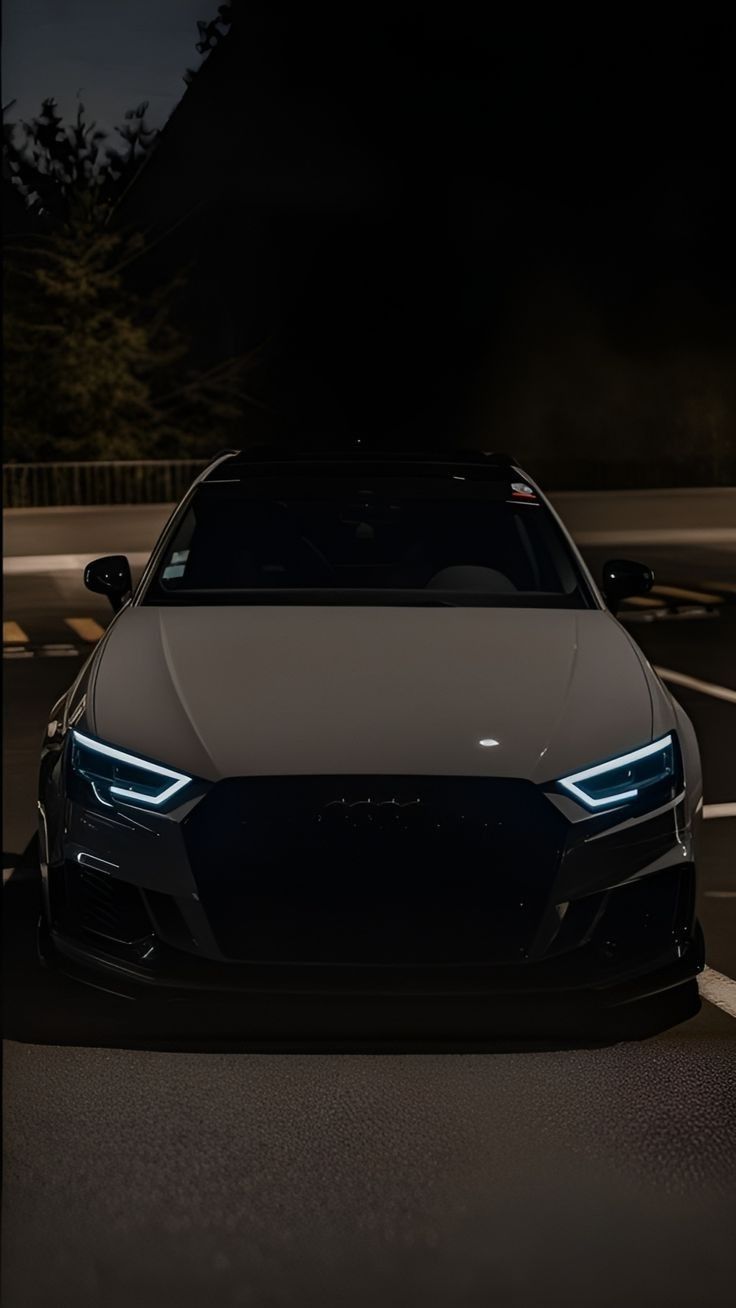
(694,683)
(86,628)
(13,634)
(718,989)
(20,565)
(719,810)
(678,592)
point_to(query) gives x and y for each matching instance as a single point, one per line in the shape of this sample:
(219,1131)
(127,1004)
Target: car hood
(263,690)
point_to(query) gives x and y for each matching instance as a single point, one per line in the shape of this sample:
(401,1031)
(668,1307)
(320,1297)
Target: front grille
(374,869)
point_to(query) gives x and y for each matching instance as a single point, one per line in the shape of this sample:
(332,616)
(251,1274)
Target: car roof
(303,462)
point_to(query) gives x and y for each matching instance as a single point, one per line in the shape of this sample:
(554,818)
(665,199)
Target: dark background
(513,233)
(424,227)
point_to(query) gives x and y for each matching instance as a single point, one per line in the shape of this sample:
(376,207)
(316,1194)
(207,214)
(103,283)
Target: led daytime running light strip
(179,780)
(614,764)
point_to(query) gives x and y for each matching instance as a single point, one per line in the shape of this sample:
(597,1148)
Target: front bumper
(444,888)
(178,976)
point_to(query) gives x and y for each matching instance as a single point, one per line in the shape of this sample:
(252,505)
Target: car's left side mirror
(110,576)
(623,578)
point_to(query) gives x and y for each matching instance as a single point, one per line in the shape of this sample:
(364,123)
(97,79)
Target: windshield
(366,540)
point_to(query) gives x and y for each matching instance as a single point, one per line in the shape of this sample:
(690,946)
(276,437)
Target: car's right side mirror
(623,578)
(110,576)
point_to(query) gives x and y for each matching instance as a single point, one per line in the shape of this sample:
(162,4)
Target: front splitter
(554,980)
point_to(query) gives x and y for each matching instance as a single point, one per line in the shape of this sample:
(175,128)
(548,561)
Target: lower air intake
(105,907)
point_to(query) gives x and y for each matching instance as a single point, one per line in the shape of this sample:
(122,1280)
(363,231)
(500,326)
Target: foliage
(81,352)
(59,164)
(82,357)
(55,161)
(94,368)
(210,35)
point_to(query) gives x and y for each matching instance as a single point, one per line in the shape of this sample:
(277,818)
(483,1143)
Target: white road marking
(26,564)
(719,810)
(43,651)
(694,683)
(23,872)
(720,894)
(683,613)
(668,615)
(718,989)
(58,651)
(658,536)
(74,510)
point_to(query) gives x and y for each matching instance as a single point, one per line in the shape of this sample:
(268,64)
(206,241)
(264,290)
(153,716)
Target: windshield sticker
(522,494)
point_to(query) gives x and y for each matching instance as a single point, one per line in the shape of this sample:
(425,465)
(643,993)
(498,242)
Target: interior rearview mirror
(623,578)
(110,576)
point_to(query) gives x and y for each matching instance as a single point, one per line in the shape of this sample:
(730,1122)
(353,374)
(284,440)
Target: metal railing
(116,481)
(164,481)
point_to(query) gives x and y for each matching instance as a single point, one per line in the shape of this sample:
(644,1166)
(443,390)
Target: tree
(92,368)
(83,358)
(57,163)
(81,353)
(210,35)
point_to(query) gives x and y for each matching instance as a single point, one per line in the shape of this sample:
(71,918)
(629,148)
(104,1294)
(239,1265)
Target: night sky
(116,54)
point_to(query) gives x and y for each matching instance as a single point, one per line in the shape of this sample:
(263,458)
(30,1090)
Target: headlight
(111,772)
(647,774)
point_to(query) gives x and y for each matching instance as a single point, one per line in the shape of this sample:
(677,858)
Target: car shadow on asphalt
(41,1005)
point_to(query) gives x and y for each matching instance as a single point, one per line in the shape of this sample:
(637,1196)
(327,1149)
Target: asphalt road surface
(675,517)
(202,1169)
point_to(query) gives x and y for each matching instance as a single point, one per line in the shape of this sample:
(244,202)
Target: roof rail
(222,454)
(215,462)
(274,454)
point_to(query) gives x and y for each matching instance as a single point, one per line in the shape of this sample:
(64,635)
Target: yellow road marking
(729,586)
(694,683)
(86,628)
(677,592)
(642,602)
(13,634)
